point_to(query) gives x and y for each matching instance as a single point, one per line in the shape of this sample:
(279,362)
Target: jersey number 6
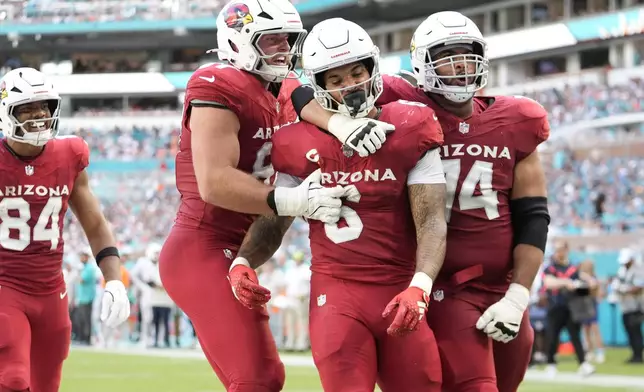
(347,233)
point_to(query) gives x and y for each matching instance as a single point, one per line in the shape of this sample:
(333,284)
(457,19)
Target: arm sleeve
(428,170)
(300,97)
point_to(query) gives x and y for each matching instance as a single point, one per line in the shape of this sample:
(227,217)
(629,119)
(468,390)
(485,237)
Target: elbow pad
(530,220)
(300,97)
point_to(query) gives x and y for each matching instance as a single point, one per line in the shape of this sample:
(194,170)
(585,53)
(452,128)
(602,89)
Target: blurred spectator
(590,326)
(85,298)
(298,287)
(273,279)
(631,294)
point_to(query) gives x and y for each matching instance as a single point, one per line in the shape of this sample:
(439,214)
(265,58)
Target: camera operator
(569,303)
(630,286)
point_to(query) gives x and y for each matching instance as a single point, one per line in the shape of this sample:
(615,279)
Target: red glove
(245,285)
(412,305)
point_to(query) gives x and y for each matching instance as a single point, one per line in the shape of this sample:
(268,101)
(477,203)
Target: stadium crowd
(62,11)
(590,101)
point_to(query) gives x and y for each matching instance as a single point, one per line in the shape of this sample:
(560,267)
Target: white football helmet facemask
(24,86)
(444,31)
(241,24)
(334,43)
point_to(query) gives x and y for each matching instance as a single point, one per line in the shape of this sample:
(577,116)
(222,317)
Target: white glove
(502,320)
(363,135)
(115,306)
(310,200)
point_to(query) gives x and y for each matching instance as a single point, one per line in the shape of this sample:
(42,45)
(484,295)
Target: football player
(231,111)
(372,272)
(496,204)
(40,176)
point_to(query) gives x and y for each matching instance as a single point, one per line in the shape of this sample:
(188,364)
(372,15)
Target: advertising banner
(614,25)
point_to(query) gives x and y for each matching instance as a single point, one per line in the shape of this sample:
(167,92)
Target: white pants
(296,318)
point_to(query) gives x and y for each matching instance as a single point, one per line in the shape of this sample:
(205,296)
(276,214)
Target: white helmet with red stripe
(242,23)
(450,31)
(334,43)
(24,86)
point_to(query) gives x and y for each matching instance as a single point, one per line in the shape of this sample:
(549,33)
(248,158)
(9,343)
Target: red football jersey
(260,115)
(479,156)
(34,195)
(376,239)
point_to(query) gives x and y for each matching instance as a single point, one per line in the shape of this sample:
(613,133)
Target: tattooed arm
(428,209)
(265,235)
(427,195)
(426,188)
(263,239)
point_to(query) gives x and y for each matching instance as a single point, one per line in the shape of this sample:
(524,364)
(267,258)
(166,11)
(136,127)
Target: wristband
(239,261)
(422,281)
(107,252)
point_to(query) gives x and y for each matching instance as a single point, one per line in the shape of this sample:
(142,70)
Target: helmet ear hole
(233,46)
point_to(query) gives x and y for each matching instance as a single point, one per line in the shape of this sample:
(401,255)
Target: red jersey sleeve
(430,133)
(217,86)
(415,122)
(80,150)
(533,128)
(394,88)
(292,152)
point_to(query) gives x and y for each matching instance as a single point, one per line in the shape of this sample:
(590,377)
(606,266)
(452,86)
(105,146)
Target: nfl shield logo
(277,106)
(29,170)
(464,128)
(347,151)
(321,299)
(228,254)
(438,295)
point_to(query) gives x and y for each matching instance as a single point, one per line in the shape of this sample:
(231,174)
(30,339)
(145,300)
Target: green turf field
(109,372)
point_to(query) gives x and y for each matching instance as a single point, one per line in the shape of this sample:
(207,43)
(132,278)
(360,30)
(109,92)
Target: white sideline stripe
(596,380)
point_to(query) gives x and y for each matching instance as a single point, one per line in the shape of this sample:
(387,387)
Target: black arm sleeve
(530,220)
(300,97)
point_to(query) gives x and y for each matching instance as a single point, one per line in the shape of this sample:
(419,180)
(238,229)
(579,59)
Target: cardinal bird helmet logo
(237,16)
(3,91)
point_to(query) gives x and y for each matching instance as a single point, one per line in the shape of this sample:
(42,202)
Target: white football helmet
(333,43)
(445,30)
(22,86)
(240,25)
(153,251)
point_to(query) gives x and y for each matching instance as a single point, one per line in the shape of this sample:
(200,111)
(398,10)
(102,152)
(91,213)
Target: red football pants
(35,334)
(350,345)
(237,341)
(488,366)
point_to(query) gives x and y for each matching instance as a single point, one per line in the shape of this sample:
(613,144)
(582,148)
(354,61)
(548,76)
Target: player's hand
(310,200)
(115,305)
(502,320)
(363,135)
(411,306)
(245,285)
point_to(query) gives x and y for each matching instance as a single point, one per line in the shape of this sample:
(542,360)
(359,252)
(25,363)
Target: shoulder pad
(532,127)
(417,119)
(528,107)
(78,148)
(293,152)
(221,85)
